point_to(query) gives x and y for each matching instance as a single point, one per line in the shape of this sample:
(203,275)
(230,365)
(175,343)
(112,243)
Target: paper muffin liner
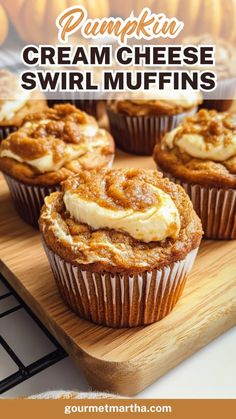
(28,199)
(139,134)
(225,89)
(216,207)
(120,300)
(5,131)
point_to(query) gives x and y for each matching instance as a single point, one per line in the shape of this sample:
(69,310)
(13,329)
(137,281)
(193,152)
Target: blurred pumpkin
(123,8)
(217,17)
(34,20)
(3,25)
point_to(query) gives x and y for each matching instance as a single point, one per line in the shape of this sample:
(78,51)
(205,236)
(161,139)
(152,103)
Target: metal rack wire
(25,372)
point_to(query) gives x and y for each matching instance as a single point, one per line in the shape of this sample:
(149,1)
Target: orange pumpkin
(3,25)
(35,20)
(217,17)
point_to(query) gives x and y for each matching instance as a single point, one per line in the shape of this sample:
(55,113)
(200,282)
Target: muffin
(201,156)
(94,107)
(225,68)
(49,147)
(16,103)
(120,244)
(138,124)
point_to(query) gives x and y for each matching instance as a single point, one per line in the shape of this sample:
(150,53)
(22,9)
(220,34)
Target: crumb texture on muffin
(149,103)
(122,200)
(201,150)
(116,250)
(53,144)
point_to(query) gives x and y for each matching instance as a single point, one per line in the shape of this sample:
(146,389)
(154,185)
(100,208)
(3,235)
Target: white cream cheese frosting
(153,224)
(9,108)
(184,98)
(97,138)
(46,163)
(196,146)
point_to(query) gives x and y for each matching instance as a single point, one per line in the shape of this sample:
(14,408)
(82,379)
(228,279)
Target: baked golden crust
(116,189)
(61,133)
(151,107)
(181,165)
(115,251)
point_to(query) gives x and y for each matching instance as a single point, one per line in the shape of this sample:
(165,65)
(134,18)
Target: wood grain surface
(122,361)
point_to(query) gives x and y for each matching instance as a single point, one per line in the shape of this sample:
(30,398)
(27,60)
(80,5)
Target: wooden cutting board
(122,361)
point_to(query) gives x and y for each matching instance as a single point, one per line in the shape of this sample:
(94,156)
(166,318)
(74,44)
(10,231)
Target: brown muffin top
(113,249)
(157,103)
(201,150)
(116,189)
(53,144)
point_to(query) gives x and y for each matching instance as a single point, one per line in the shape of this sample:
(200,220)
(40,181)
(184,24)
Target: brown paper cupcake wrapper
(225,89)
(120,300)
(5,131)
(28,199)
(139,134)
(216,208)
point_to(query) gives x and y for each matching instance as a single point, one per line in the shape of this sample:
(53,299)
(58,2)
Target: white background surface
(210,373)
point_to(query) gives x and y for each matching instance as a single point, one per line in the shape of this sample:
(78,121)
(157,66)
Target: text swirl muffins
(120,244)
(139,123)
(201,155)
(49,147)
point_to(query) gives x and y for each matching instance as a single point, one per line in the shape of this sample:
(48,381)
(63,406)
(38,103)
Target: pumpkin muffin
(225,68)
(120,244)
(49,147)
(138,124)
(15,103)
(201,156)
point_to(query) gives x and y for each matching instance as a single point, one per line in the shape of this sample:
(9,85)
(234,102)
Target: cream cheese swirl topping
(47,163)
(183,98)
(155,222)
(195,146)
(48,144)
(215,140)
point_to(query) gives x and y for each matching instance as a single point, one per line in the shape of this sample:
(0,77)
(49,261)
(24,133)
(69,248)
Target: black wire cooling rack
(25,372)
